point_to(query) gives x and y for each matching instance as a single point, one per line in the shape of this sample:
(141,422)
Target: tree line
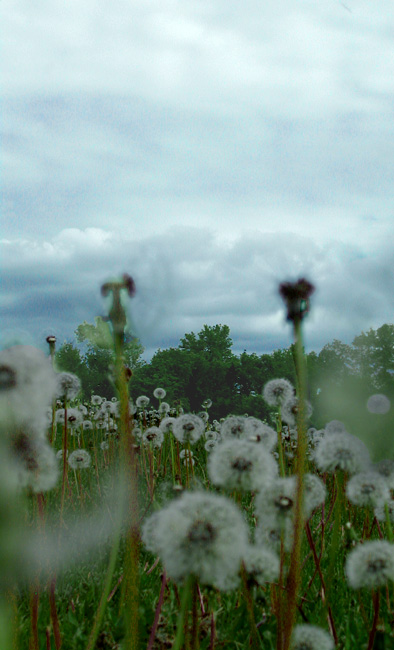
(203,366)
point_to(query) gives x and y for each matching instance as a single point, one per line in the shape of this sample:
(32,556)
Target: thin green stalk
(256,643)
(294,576)
(107,586)
(185,602)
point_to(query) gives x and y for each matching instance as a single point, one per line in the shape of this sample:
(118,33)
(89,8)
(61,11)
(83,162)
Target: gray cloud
(186,278)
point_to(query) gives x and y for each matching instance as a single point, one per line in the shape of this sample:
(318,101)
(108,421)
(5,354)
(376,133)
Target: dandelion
(83,409)
(142,401)
(153,436)
(199,534)
(35,461)
(96,400)
(204,416)
(240,465)
(370,565)
(74,418)
(262,434)
(188,428)
(261,563)
(315,493)
(236,426)
(68,385)
(290,410)
(269,532)
(27,385)
(210,445)
(378,404)
(87,425)
(277,391)
(167,424)
(79,459)
(335,426)
(310,637)
(367,489)
(159,393)
(207,403)
(164,408)
(342,451)
(276,499)
(104,445)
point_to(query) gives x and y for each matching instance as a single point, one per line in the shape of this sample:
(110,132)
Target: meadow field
(133,524)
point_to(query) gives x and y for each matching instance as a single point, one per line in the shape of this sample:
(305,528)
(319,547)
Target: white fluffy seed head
(370,565)
(378,404)
(368,489)
(277,499)
(277,391)
(153,437)
(159,393)
(241,465)
(290,409)
(79,459)
(342,451)
(200,534)
(315,493)
(27,385)
(310,637)
(188,428)
(261,563)
(68,385)
(142,401)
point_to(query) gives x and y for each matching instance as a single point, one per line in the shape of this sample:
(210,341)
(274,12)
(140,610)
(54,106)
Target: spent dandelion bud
(296,296)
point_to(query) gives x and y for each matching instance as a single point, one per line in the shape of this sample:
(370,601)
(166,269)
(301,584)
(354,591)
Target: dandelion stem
(376,604)
(294,577)
(249,607)
(157,612)
(185,600)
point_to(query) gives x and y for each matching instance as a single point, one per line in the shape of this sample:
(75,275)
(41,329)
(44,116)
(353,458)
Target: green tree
(99,337)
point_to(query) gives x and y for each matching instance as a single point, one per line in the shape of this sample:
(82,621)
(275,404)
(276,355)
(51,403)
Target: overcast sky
(209,149)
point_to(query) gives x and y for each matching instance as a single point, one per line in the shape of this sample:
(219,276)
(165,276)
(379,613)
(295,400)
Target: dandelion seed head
(290,410)
(79,459)
(370,565)
(207,403)
(367,489)
(241,465)
(310,637)
(142,401)
(342,451)
(379,404)
(315,493)
(277,391)
(199,534)
(68,385)
(335,426)
(153,436)
(188,428)
(159,393)
(96,400)
(261,563)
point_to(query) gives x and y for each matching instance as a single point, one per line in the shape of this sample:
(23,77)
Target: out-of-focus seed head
(310,637)
(379,404)
(68,385)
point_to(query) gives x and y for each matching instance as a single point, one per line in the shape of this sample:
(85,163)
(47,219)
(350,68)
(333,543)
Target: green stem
(249,607)
(185,601)
(294,577)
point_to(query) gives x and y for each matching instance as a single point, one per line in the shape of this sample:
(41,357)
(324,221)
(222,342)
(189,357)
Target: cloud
(186,278)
